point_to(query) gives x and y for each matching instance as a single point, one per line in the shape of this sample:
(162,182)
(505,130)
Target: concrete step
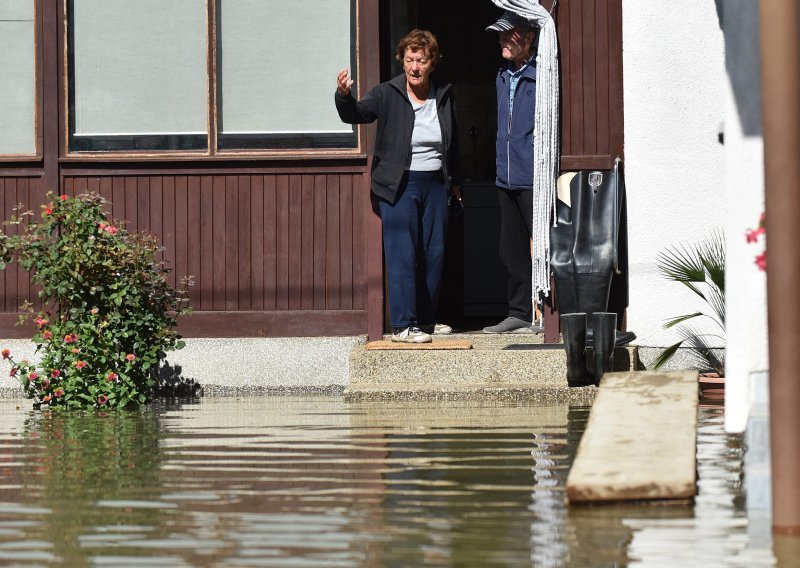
(501,364)
(639,442)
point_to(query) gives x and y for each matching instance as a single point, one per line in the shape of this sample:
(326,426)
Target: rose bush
(109,312)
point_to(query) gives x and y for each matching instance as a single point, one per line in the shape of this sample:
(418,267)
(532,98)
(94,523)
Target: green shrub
(109,312)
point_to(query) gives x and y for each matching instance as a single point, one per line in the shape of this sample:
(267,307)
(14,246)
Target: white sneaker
(411,335)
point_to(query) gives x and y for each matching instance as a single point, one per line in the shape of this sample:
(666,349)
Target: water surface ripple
(314,481)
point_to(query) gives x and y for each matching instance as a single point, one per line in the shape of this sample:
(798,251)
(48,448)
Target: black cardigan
(388,103)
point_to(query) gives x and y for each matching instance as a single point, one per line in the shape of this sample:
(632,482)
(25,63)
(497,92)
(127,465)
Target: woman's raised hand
(344,82)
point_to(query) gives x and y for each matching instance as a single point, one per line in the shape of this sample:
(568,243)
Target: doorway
(474,287)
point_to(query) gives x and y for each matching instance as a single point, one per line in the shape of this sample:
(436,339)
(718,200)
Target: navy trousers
(414,230)
(516,221)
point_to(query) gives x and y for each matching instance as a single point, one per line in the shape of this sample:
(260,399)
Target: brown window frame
(37,91)
(212,151)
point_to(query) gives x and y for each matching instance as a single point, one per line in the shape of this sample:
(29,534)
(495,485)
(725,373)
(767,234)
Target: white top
(426,138)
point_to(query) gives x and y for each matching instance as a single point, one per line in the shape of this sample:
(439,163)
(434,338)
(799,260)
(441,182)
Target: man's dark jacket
(388,103)
(515,129)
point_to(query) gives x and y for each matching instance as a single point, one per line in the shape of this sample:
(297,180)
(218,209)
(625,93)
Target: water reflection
(314,481)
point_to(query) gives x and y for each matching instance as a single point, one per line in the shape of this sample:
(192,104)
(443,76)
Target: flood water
(315,481)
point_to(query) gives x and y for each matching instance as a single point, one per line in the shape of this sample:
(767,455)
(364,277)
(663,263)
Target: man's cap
(508,21)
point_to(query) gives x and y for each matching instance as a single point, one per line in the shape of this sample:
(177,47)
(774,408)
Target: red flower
(33,376)
(110,229)
(761,261)
(70,338)
(102,399)
(55,373)
(47,334)
(130,357)
(63,197)
(13,372)
(80,364)
(48,210)
(112,376)
(6,353)
(47,398)
(40,321)
(59,392)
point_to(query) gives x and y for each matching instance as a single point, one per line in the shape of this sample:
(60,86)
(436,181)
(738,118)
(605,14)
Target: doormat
(445,344)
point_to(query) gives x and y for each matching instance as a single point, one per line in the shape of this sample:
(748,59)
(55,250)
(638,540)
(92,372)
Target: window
(142,74)
(18,78)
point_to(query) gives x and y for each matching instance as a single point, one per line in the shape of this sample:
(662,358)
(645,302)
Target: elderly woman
(415,163)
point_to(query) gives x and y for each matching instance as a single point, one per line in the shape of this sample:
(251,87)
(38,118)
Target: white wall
(745,287)
(674,77)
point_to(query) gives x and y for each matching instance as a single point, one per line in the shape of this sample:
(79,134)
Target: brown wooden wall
(285,246)
(590,44)
(15,286)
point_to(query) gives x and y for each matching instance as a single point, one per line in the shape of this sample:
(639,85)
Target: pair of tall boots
(584,370)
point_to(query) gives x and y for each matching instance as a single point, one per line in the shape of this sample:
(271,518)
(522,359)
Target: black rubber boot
(605,327)
(573,329)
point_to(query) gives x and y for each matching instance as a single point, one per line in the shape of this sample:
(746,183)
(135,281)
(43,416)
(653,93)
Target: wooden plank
(575,79)
(181,267)
(194,236)
(295,250)
(244,248)
(332,279)
(346,241)
(282,243)
(320,229)
(383,344)
(602,55)
(205,280)
(231,238)
(639,443)
(168,226)
(131,214)
(590,110)
(306,237)
(218,235)
(281,323)
(257,230)
(270,243)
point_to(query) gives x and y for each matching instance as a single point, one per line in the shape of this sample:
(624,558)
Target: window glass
(277,65)
(139,76)
(17,78)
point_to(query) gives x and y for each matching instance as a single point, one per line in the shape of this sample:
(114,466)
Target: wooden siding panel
(601,62)
(332,252)
(204,286)
(590,40)
(346,242)
(295,242)
(320,230)
(193,236)
(307,231)
(252,242)
(282,243)
(361,211)
(257,222)
(168,225)
(219,249)
(181,266)
(270,242)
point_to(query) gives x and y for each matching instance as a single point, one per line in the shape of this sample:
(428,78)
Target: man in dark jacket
(516,104)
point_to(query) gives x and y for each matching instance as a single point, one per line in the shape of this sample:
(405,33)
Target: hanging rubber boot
(605,327)
(573,329)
